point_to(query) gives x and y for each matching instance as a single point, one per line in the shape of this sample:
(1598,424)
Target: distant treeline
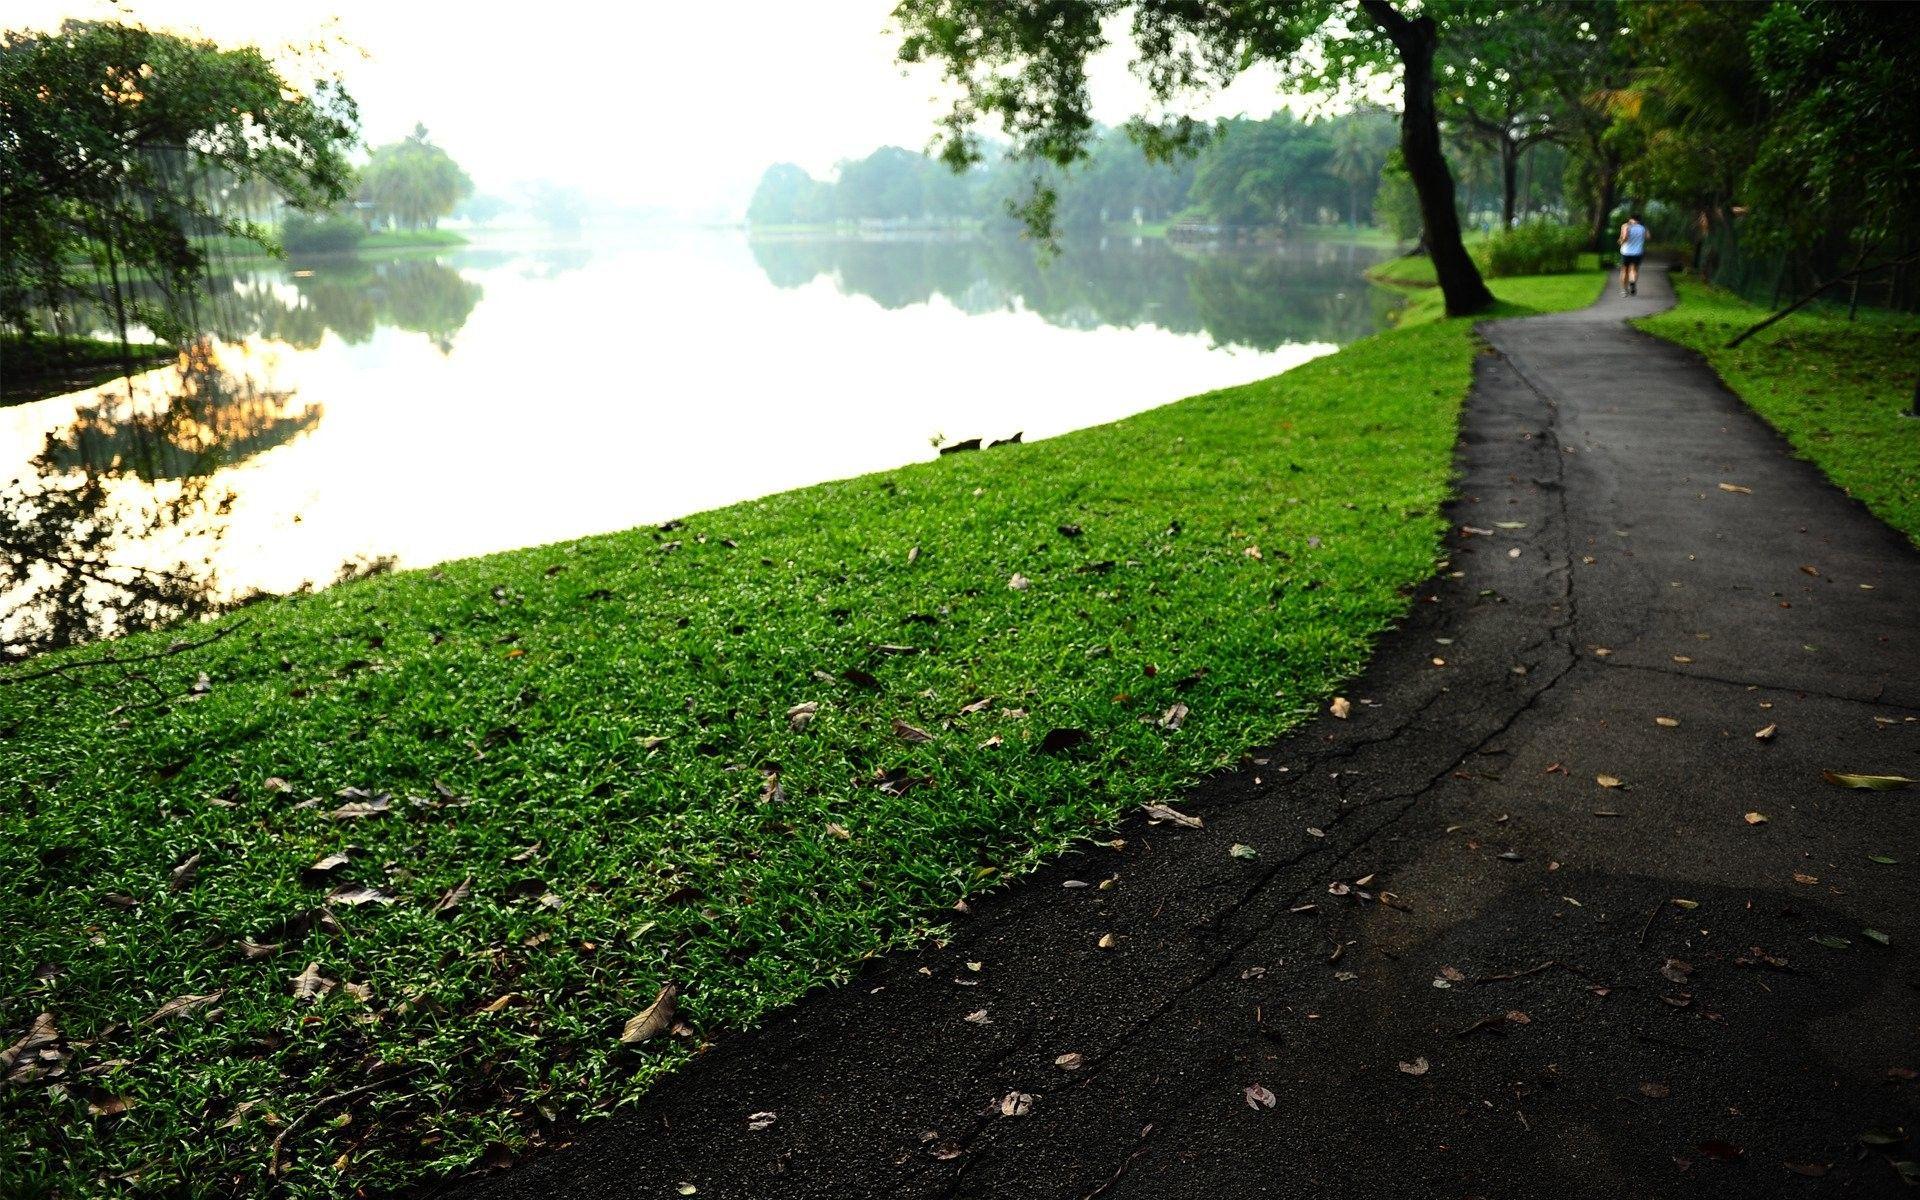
(1276,172)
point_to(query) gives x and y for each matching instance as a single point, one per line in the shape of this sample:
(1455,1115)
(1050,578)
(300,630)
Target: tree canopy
(118,144)
(412,183)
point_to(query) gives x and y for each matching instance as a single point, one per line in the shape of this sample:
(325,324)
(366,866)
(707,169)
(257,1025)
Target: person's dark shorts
(1631,260)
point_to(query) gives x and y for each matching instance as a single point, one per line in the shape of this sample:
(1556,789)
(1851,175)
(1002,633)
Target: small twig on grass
(325,1102)
(115,661)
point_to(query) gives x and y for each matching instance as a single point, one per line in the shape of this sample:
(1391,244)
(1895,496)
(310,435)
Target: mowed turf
(1836,388)
(602,780)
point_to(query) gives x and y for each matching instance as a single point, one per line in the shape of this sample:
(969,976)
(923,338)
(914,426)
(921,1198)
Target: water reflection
(349,298)
(117,524)
(1258,298)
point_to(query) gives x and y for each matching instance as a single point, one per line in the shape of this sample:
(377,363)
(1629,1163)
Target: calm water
(423,409)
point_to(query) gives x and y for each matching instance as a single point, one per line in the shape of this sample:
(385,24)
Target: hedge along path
(448,832)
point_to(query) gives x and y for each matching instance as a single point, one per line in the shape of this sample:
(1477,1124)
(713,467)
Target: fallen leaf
(320,873)
(1655,1091)
(1418,1066)
(1754,818)
(1607,781)
(1809,880)
(1734,487)
(252,949)
(181,877)
(652,1020)
(354,895)
(1016,1104)
(22,1058)
(800,715)
(1019,582)
(1252,552)
(1157,812)
(1259,1096)
(980,705)
(979,1017)
(910,733)
(310,984)
(1767,733)
(1341,707)
(1875,783)
(1874,935)
(761,1120)
(372,806)
(838,831)
(499,1004)
(180,1004)
(1108,941)
(1242,850)
(453,897)
(1174,717)
(1669,722)
(1072,1060)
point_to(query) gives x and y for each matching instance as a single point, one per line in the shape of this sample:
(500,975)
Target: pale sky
(679,105)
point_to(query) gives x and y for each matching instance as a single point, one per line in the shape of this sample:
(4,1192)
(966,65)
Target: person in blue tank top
(1633,248)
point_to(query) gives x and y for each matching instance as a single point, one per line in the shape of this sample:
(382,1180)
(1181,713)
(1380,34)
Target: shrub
(329,233)
(1534,248)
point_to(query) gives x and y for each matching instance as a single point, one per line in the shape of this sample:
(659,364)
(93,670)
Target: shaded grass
(1835,388)
(33,368)
(1416,270)
(594,739)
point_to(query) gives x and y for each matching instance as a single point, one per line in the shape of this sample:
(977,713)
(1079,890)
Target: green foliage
(1271,172)
(1836,388)
(412,183)
(1533,248)
(121,146)
(628,800)
(1396,206)
(328,233)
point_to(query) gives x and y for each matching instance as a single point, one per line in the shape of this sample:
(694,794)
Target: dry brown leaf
(1669,722)
(801,715)
(181,1004)
(353,895)
(310,984)
(1019,582)
(1418,1066)
(354,810)
(22,1057)
(838,831)
(652,1020)
(910,733)
(980,705)
(1767,733)
(1259,1096)
(1174,717)
(1341,707)
(1072,1060)
(453,897)
(1754,818)
(181,877)
(1108,941)
(1016,1104)
(1156,813)
(1607,781)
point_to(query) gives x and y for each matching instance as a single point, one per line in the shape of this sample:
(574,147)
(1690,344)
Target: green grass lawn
(1835,388)
(735,755)
(1416,270)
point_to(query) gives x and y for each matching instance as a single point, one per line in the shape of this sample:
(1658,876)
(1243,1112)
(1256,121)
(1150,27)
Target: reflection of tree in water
(1257,297)
(210,418)
(70,567)
(352,299)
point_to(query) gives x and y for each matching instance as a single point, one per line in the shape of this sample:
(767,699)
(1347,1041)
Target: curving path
(1593,1037)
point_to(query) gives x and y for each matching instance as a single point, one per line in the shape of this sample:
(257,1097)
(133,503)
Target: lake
(416,409)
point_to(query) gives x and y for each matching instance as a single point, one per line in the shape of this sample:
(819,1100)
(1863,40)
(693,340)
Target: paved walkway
(1521,983)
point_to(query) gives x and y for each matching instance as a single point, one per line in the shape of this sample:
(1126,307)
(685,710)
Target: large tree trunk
(1606,182)
(1460,283)
(1509,167)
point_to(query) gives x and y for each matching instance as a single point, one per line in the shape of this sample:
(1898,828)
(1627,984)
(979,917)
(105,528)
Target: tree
(1493,83)
(121,146)
(1271,172)
(1025,66)
(1360,144)
(412,182)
